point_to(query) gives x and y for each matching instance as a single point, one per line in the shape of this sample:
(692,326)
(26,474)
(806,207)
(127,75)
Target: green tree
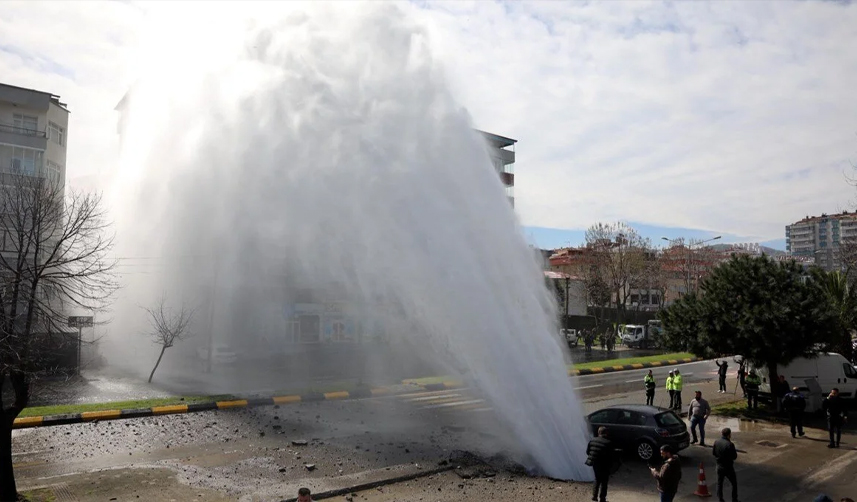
(843,302)
(769,312)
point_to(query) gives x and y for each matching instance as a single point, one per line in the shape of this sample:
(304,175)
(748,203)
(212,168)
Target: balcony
(22,136)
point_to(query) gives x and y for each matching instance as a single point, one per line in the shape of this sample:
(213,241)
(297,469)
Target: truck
(814,377)
(643,336)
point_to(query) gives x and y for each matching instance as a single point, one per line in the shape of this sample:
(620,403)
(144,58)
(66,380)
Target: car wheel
(645,450)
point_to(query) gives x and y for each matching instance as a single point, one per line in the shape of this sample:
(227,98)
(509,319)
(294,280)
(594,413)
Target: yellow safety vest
(670,383)
(677,382)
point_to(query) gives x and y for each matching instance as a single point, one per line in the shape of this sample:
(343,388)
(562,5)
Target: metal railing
(24,131)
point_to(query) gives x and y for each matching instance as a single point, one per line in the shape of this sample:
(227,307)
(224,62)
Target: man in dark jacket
(669,475)
(600,457)
(834,407)
(721,373)
(751,387)
(725,453)
(795,404)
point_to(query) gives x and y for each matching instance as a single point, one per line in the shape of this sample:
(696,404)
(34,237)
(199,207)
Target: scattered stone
(300,442)
(310,467)
(282,469)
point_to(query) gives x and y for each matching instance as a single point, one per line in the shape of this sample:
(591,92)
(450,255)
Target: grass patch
(738,409)
(62,409)
(632,360)
(40,495)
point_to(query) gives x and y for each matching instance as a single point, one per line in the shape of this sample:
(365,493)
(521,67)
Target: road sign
(80,321)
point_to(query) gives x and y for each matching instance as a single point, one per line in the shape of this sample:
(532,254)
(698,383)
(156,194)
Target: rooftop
(500,141)
(55,99)
(838,216)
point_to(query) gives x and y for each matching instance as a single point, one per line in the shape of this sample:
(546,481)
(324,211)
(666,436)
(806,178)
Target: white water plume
(322,147)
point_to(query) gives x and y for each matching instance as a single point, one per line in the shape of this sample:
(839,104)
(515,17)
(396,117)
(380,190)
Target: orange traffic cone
(702,487)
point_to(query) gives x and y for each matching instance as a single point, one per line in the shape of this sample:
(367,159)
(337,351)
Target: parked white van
(828,369)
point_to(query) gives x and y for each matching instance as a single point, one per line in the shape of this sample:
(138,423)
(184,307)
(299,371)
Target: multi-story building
(819,238)
(502,152)
(33,133)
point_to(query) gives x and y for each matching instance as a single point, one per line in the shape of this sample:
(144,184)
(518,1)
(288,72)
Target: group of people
(589,336)
(674,385)
(600,455)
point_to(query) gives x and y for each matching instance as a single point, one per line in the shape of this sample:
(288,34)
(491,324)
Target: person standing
(599,455)
(677,386)
(671,389)
(698,412)
(751,387)
(781,391)
(669,475)
(721,374)
(794,404)
(726,454)
(649,381)
(834,407)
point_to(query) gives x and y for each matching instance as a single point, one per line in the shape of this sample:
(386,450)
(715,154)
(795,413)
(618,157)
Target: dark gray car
(641,429)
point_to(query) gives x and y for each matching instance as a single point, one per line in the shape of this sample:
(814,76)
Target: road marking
(632,381)
(588,387)
(456,403)
(431,398)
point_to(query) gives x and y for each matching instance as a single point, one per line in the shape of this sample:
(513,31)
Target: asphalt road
(250,453)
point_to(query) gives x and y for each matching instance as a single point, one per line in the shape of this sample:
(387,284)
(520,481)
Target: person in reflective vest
(671,389)
(649,381)
(751,384)
(677,385)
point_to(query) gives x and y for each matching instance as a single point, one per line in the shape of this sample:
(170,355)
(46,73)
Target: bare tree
(54,251)
(168,327)
(618,257)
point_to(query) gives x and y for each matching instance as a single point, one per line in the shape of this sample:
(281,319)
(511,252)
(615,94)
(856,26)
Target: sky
(688,119)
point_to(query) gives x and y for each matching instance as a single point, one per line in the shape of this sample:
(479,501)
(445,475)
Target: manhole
(769,444)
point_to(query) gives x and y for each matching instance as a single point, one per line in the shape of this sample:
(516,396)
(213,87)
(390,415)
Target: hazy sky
(729,117)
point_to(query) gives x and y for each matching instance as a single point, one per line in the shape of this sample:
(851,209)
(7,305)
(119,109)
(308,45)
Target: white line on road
(432,398)
(457,403)
(588,387)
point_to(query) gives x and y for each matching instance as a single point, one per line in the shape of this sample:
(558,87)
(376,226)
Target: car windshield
(667,419)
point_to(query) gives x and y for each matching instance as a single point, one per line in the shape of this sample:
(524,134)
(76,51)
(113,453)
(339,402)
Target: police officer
(677,385)
(751,385)
(671,389)
(649,381)
(794,404)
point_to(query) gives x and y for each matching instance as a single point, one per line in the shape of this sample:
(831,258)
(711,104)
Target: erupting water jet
(321,150)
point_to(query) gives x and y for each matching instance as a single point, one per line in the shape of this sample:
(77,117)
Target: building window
(56,134)
(24,161)
(53,171)
(25,124)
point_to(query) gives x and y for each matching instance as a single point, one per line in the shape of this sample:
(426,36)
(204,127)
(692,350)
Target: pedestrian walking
(599,455)
(669,475)
(726,454)
(721,373)
(698,412)
(742,379)
(751,387)
(795,404)
(671,389)
(834,407)
(677,385)
(781,390)
(649,382)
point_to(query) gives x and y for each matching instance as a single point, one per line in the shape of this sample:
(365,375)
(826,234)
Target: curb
(635,366)
(95,416)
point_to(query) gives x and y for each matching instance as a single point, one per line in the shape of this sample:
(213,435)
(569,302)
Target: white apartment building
(818,238)
(33,133)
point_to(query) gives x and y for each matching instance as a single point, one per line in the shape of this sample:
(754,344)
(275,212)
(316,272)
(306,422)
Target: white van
(828,369)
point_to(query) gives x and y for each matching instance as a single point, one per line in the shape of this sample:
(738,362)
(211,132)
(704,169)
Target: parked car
(220,354)
(571,336)
(641,429)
